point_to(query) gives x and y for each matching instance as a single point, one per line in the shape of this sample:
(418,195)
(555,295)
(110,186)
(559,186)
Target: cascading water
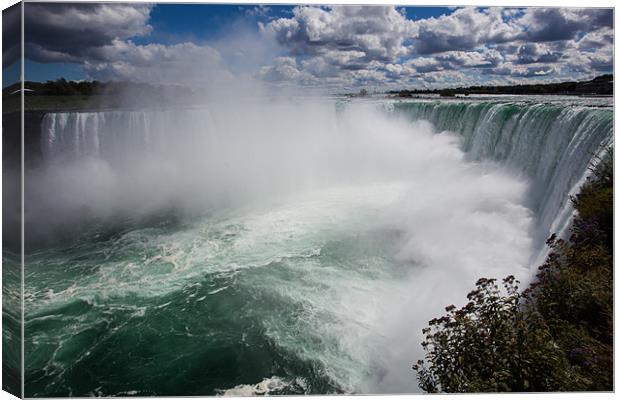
(550,144)
(280,248)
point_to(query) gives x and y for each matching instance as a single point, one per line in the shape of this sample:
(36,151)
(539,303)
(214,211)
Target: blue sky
(204,22)
(340,47)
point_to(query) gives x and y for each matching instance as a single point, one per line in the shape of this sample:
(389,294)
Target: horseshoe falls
(550,144)
(282,247)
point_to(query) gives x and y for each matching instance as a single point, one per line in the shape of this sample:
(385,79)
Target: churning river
(282,247)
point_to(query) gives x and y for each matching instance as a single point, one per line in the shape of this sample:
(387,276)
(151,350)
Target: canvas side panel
(12,200)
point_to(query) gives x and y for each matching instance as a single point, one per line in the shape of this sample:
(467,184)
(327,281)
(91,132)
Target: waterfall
(112,135)
(551,145)
(330,235)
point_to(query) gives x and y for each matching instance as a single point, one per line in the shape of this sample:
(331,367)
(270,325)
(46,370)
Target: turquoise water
(11,325)
(301,250)
(212,303)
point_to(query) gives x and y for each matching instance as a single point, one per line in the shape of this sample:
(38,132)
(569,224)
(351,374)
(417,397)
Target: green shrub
(491,345)
(557,335)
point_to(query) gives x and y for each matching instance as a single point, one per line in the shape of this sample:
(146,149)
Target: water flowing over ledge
(329,288)
(552,145)
(549,144)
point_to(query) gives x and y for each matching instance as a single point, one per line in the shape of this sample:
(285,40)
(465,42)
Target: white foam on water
(263,388)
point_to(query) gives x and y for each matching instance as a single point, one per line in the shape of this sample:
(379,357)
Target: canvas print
(246,199)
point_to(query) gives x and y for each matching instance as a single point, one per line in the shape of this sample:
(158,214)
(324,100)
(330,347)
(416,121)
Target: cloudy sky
(341,47)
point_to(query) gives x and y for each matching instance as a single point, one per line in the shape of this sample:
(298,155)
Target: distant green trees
(63,87)
(557,335)
(61,94)
(601,85)
(59,87)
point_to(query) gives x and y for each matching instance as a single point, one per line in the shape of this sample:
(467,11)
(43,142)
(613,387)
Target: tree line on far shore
(601,85)
(63,87)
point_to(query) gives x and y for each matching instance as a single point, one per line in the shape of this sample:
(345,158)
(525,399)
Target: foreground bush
(557,335)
